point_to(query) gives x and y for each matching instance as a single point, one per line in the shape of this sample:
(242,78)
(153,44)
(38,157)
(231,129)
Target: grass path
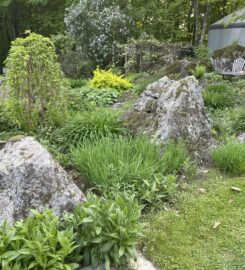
(185,238)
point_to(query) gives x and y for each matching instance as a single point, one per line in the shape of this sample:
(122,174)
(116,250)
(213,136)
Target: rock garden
(120,170)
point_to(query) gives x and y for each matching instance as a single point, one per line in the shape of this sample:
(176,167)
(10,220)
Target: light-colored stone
(31,179)
(171,109)
(140,264)
(241,138)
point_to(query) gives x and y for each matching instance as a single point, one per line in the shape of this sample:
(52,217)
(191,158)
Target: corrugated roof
(236,17)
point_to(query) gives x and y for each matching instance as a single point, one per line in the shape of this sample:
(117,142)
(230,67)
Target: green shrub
(77,83)
(92,125)
(230,157)
(107,79)
(199,71)
(36,243)
(6,123)
(238,124)
(134,165)
(107,230)
(34,79)
(76,101)
(219,96)
(100,97)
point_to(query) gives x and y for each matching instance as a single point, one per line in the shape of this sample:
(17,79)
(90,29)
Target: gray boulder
(171,109)
(31,179)
(241,138)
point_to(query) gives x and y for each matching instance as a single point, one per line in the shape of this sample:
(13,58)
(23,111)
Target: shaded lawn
(184,239)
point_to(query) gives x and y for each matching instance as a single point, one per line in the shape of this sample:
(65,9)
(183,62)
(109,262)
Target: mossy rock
(233,51)
(181,67)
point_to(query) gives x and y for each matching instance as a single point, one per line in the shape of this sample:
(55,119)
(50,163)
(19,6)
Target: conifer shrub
(34,79)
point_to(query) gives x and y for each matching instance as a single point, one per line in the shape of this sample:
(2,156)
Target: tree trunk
(196,13)
(189,22)
(205,24)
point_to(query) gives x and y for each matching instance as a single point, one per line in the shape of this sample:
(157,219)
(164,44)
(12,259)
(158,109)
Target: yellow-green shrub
(107,79)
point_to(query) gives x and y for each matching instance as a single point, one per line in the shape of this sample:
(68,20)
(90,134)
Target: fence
(151,56)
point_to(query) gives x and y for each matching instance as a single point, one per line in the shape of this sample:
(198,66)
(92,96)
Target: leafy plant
(107,230)
(198,71)
(230,157)
(34,79)
(36,243)
(135,165)
(92,125)
(107,79)
(100,97)
(219,96)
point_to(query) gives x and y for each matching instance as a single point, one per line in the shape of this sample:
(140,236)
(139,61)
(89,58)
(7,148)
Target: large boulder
(31,179)
(171,109)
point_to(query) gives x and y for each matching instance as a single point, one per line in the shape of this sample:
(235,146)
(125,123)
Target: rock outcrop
(173,110)
(31,179)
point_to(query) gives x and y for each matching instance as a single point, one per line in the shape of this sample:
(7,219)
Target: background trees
(98,24)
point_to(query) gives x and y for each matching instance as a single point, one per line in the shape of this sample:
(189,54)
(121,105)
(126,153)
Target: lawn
(206,231)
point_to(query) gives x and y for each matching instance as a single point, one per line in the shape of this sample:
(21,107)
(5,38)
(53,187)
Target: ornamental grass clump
(219,96)
(230,157)
(133,165)
(107,79)
(92,125)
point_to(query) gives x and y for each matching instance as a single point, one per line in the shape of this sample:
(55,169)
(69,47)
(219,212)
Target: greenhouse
(227,31)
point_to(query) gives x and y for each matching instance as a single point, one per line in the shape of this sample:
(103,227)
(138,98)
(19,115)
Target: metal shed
(227,31)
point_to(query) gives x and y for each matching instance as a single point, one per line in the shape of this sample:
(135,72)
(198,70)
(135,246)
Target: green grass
(230,157)
(184,239)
